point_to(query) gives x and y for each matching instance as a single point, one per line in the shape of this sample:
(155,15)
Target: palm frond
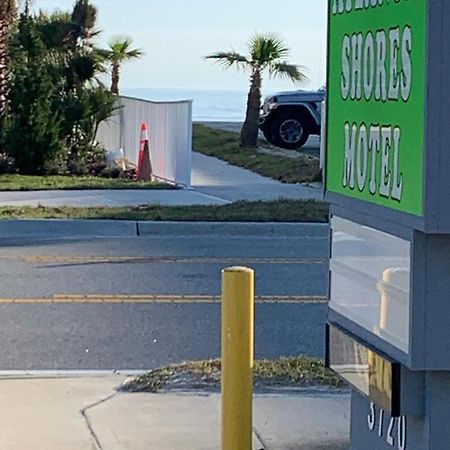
(267,51)
(103,53)
(228,59)
(95,33)
(120,49)
(288,71)
(267,47)
(135,53)
(120,42)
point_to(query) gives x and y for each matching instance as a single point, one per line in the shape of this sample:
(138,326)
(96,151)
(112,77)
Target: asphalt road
(119,303)
(135,336)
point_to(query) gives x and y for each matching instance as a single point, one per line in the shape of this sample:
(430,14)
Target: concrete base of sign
(373,428)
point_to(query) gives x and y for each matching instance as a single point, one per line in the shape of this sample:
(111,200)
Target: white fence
(170,136)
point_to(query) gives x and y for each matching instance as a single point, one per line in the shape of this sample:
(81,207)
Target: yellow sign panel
(373,375)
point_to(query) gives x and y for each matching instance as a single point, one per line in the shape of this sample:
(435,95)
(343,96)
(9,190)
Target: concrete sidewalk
(87,413)
(216,178)
(214,182)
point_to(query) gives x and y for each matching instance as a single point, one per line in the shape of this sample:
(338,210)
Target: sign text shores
(376,101)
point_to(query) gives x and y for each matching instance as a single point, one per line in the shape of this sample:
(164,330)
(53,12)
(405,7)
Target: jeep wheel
(289,131)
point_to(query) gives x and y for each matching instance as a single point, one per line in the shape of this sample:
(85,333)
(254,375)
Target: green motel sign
(376,102)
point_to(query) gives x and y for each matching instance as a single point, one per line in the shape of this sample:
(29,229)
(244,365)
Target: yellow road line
(111,299)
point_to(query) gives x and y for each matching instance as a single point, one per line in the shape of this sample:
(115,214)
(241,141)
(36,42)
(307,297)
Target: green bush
(32,127)
(55,102)
(7,164)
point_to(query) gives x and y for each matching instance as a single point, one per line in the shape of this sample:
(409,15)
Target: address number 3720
(392,429)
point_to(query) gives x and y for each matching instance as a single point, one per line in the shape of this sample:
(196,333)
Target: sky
(176,34)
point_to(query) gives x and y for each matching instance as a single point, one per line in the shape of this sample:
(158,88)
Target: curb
(233,228)
(72,229)
(55,229)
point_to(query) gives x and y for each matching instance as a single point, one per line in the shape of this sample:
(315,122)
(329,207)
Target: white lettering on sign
(393,439)
(356,66)
(363,149)
(374,148)
(345,82)
(389,438)
(376,66)
(394,81)
(349,170)
(380,79)
(347,6)
(402,433)
(380,423)
(361,157)
(369,72)
(397,187)
(380,66)
(386,145)
(406,79)
(371,418)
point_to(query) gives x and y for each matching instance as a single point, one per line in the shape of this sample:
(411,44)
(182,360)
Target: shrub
(7,164)
(31,135)
(55,102)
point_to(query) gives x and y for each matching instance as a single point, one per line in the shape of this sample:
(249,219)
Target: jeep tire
(289,130)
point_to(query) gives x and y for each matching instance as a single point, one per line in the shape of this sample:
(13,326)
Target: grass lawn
(243,211)
(13,182)
(299,372)
(225,145)
(221,144)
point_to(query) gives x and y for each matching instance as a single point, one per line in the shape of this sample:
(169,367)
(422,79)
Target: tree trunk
(4,44)
(250,128)
(115,77)
(8,13)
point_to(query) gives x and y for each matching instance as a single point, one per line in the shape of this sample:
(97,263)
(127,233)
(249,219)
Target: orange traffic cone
(144,166)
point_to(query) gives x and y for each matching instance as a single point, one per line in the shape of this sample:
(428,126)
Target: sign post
(387,157)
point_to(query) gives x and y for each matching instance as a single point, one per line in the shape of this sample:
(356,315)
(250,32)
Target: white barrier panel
(170,135)
(109,132)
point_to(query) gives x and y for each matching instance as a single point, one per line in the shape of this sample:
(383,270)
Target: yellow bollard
(237,357)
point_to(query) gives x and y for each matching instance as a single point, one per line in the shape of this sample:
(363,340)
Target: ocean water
(208,105)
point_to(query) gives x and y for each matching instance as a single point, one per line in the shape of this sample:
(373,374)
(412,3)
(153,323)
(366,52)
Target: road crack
(97,443)
(260,439)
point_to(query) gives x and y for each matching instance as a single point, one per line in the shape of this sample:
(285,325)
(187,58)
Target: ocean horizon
(209,105)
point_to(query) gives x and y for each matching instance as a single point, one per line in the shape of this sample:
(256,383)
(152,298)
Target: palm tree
(8,12)
(118,52)
(267,51)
